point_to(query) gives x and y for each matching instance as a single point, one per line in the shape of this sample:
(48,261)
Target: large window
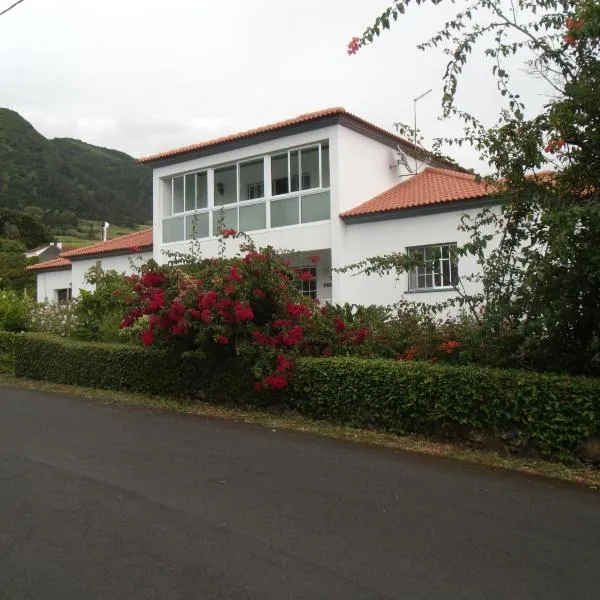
(438,268)
(239,196)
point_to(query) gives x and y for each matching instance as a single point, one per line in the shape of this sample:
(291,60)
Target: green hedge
(7,351)
(124,367)
(552,414)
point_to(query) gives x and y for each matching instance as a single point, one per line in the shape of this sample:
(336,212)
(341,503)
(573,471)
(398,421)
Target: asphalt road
(100,502)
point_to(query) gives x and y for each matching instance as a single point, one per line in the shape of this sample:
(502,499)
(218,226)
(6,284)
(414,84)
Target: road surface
(101,502)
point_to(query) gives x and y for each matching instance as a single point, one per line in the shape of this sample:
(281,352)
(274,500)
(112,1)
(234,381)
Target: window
(63,295)
(439,268)
(309,287)
(198,205)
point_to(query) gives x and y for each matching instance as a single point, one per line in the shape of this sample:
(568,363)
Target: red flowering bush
(248,307)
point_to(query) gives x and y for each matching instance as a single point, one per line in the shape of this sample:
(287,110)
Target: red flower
(324,310)
(305,276)
(449,346)
(276,382)
(208,300)
(258,293)
(297,310)
(575,23)
(554,145)
(409,354)
(243,312)
(234,274)
(360,335)
(228,289)
(326,353)
(569,40)
(339,325)
(258,386)
(153,279)
(315,258)
(226,233)
(353,46)
(293,337)
(147,337)
(223,340)
(283,363)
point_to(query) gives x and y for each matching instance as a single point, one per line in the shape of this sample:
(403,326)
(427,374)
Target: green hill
(65,174)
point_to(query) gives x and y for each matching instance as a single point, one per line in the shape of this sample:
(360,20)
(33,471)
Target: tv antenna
(402,155)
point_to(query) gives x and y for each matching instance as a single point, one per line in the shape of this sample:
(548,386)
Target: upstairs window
(439,268)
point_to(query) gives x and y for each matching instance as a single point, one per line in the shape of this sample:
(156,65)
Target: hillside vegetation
(63,176)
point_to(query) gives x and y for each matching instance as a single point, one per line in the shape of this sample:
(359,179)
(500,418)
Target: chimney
(104,230)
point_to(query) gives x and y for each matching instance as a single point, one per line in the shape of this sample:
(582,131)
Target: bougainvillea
(250,304)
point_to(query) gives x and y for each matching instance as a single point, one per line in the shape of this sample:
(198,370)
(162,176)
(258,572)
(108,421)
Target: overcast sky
(147,75)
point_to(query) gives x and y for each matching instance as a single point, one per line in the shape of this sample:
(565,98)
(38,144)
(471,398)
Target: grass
(291,421)
(84,239)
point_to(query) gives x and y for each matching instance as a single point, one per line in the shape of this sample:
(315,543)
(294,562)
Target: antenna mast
(415,100)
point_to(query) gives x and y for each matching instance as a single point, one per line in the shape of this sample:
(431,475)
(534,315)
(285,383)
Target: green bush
(14,311)
(7,351)
(127,367)
(552,414)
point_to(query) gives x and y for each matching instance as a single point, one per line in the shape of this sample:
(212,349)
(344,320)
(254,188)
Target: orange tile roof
(56,263)
(141,240)
(305,118)
(431,186)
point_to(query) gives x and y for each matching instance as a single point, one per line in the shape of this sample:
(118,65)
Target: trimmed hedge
(124,367)
(7,351)
(552,414)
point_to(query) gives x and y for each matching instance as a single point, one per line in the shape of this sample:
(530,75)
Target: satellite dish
(400,158)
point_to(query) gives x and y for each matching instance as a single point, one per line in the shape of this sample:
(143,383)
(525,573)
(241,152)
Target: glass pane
(309,167)
(325,167)
(178,203)
(253,217)
(315,207)
(226,219)
(172,230)
(446,251)
(225,185)
(196,226)
(284,212)
(279,174)
(190,192)
(412,279)
(446,275)
(454,269)
(294,160)
(252,180)
(167,196)
(201,190)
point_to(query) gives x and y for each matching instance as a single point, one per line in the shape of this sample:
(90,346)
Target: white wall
(120,264)
(378,238)
(50,281)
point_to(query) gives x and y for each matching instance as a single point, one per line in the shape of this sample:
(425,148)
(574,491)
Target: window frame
(435,270)
(267,198)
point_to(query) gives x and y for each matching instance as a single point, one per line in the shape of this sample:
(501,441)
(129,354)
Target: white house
(60,279)
(326,183)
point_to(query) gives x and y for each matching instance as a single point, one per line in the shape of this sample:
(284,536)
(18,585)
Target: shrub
(99,312)
(56,319)
(14,311)
(551,413)
(7,351)
(126,367)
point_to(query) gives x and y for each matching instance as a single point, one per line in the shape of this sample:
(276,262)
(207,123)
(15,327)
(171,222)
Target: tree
(541,286)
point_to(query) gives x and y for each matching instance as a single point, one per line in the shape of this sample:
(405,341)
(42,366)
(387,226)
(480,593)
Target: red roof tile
(56,263)
(305,118)
(431,186)
(139,239)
